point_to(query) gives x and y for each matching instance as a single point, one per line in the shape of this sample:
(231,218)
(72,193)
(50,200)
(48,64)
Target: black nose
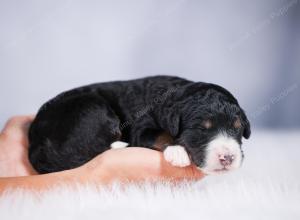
(226,160)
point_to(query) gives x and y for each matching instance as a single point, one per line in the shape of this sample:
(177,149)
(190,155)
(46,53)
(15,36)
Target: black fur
(79,124)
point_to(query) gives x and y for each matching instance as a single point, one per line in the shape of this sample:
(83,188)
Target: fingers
(190,172)
(18,121)
(137,163)
(155,164)
(17,126)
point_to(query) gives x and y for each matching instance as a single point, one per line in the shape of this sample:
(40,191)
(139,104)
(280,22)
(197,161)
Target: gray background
(250,47)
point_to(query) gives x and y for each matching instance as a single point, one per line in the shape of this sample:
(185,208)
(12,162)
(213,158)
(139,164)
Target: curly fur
(81,123)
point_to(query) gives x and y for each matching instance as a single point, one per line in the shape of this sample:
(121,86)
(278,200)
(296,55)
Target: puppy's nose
(226,159)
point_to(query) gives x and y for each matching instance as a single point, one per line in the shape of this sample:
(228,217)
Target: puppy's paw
(177,156)
(118,145)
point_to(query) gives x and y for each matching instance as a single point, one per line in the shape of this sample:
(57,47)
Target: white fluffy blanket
(266,187)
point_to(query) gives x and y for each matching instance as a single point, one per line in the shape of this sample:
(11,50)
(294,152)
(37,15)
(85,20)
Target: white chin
(214,171)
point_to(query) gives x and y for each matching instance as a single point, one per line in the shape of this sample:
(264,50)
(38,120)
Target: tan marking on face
(207,124)
(237,123)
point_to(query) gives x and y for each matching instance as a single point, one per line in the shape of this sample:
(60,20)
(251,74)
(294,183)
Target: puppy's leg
(177,156)
(69,132)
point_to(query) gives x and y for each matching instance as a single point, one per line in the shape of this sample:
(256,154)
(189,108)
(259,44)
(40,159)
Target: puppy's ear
(173,121)
(246,125)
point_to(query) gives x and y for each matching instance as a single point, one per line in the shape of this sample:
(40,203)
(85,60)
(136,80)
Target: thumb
(17,126)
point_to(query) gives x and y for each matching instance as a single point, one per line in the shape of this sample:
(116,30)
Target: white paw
(118,145)
(177,156)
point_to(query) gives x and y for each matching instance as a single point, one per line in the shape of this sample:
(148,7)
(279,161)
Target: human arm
(132,164)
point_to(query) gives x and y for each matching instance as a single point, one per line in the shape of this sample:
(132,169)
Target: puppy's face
(211,130)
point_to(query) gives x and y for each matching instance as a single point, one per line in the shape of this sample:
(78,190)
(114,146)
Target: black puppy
(204,120)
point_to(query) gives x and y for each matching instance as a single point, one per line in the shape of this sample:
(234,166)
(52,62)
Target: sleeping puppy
(203,123)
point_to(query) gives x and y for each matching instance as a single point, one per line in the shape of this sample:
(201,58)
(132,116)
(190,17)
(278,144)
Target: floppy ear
(174,126)
(246,125)
(171,122)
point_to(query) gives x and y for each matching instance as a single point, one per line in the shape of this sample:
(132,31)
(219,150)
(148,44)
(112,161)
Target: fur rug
(266,187)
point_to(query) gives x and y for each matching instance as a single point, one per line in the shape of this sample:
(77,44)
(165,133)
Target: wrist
(95,171)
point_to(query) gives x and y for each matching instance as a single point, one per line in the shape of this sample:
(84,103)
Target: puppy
(203,123)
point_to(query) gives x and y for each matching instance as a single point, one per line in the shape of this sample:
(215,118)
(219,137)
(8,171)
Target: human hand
(129,164)
(134,164)
(14,148)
